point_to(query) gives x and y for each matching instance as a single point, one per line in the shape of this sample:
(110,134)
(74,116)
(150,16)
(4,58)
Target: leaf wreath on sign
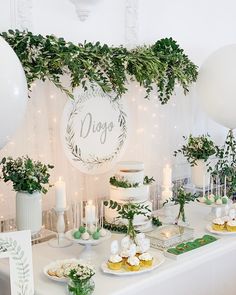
(92,161)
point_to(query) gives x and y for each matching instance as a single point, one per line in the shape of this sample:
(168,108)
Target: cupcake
(218,224)
(146,259)
(124,255)
(133,263)
(231,226)
(115,262)
(225,219)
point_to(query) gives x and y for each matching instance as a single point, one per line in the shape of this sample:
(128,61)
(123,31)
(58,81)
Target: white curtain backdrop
(156,131)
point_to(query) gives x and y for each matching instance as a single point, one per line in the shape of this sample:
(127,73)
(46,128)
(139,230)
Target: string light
(39,111)
(140,130)
(154,115)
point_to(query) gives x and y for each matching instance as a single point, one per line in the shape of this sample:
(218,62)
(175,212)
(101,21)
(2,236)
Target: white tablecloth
(206,271)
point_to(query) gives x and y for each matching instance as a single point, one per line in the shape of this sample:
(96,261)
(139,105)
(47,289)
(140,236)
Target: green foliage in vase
(26,174)
(163,64)
(197,148)
(226,164)
(128,211)
(181,198)
(80,276)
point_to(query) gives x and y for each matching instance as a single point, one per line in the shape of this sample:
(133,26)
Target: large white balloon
(13,92)
(216,86)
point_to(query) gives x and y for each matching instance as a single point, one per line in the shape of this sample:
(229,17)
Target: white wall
(200,27)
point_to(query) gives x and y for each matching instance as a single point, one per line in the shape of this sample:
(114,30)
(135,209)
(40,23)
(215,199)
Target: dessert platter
(134,258)
(88,236)
(182,249)
(58,270)
(212,200)
(157,260)
(224,226)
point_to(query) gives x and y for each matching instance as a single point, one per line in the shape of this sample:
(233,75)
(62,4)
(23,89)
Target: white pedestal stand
(61,241)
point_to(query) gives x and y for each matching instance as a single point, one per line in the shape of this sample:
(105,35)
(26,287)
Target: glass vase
(81,287)
(181,217)
(131,232)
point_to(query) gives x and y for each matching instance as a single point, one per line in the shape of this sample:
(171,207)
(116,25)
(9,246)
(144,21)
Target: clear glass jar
(81,288)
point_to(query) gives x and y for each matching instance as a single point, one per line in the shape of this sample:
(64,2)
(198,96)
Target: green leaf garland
(163,64)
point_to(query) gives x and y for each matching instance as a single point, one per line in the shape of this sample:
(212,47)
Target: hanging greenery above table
(163,64)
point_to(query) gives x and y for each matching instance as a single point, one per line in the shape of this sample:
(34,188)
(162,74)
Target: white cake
(132,175)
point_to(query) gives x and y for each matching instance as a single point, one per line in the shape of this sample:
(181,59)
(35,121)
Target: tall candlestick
(167,176)
(90,214)
(60,188)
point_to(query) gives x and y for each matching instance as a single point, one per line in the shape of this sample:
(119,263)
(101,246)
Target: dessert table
(206,271)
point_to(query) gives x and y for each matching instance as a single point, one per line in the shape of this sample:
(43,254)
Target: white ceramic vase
(29,211)
(199,175)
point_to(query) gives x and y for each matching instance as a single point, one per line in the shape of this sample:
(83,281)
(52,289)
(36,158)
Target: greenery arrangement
(182,198)
(163,64)
(127,212)
(121,182)
(226,164)
(197,148)
(26,174)
(80,276)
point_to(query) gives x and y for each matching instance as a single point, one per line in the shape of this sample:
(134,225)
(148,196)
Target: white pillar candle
(90,214)
(60,188)
(167,176)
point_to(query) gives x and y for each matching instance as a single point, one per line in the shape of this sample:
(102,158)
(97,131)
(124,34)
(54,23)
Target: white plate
(55,264)
(221,233)
(92,242)
(158,259)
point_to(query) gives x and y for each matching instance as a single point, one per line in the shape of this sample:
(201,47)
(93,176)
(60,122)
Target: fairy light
(54,120)
(140,130)
(145,109)
(156,126)
(154,115)
(133,99)
(39,112)
(140,107)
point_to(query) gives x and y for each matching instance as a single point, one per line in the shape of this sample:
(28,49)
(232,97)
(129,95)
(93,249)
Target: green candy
(82,229)
(96,235)
(77,234)
(224,200)
(208,202)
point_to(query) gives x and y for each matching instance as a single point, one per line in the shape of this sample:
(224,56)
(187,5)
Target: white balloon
(13,92)
(216,86)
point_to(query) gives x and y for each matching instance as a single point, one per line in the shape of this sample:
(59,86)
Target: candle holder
(60,241)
